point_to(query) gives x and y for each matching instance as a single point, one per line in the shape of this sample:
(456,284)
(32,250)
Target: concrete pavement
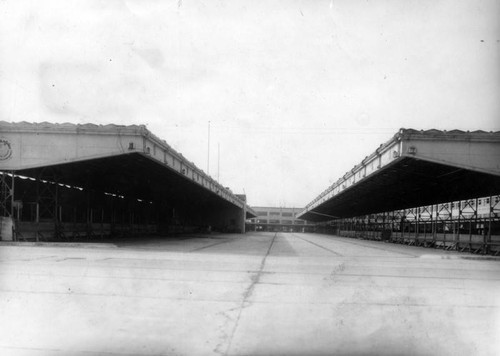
(257,294)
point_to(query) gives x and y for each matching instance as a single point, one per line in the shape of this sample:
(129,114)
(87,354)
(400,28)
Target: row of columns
(56,211)
(457,225)
(47,217)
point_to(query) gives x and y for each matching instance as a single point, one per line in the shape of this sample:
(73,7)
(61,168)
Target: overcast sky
(296,92)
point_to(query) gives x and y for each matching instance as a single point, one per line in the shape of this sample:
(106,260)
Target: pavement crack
(211,245)
(70,258)
(255,279)
(332,277)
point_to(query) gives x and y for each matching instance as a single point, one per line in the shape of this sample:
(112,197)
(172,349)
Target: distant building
(278,219)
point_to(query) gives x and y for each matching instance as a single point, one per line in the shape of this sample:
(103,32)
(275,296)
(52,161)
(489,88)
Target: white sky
(297,92)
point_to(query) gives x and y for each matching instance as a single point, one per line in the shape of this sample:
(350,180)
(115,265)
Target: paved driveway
(257,294)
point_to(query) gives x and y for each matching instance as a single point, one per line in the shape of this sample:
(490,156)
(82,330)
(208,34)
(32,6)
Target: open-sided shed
(412,169)
(93,178)
(432,188)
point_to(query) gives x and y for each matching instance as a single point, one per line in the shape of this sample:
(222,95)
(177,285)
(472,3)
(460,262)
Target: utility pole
(218,161)
(208,150)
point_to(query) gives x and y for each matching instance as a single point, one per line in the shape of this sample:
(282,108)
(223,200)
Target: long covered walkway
(264,294)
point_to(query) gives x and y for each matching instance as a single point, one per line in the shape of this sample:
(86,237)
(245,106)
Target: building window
(287,214)
(272,221)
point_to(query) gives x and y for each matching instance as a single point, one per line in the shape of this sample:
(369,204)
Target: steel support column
(7,183)
(6,194)
(47,204)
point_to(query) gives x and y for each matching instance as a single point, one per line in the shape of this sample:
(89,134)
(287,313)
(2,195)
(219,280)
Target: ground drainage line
(377,248)
(318,245)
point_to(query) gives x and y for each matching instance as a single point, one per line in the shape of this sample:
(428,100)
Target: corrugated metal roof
(69,127)
(449,135)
